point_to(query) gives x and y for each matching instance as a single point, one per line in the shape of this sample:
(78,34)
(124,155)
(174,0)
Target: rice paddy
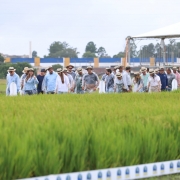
(52,134)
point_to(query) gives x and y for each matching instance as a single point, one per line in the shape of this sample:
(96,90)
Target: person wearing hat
(170,77)
(163,78)
(121,69)
(71,80)
(90,81)
(109,81)
(156,71)
(25,73)
(127,80)
(78,81)
(70,71)
(114,70)
(137,82)
(177,76)
(62,82)
(118,83)
(40,78)
(30,83)
(144,77)
(50,81)
(154,82)
(12,77)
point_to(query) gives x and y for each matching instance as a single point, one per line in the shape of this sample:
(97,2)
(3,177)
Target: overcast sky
(106,22)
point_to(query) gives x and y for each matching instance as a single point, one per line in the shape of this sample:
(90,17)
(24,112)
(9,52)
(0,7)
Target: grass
(2,86)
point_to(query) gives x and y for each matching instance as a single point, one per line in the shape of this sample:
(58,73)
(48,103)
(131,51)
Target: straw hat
(143,69)
(65,69)
(108,68)
(156,70)
(79,69)
(136,73)
(70,65)
(161,68)
(151,71)
(118,74)
(25,70)
(89,67)
(30,69)
(174,68)
(59,70)
(11,69)
(49,67)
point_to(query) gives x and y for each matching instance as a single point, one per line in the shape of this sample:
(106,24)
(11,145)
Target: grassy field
(2,86)
(52,134)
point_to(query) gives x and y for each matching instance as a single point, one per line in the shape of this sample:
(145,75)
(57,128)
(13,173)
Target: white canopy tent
(172,31)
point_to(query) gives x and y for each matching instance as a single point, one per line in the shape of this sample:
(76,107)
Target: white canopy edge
(172,31)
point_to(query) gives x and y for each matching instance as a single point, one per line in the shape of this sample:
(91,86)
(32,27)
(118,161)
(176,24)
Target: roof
(172,31)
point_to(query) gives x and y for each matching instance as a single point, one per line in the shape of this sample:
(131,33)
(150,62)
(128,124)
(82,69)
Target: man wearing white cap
(78,81)
(144,77)
(12,77)
(50,81)
(90,81)
(177,76)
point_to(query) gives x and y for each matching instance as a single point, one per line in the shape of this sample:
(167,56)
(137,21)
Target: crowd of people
(86,81)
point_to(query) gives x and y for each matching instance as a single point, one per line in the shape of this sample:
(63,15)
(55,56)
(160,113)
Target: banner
(121,173)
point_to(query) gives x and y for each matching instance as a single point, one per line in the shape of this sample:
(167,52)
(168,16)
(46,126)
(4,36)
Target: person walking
(109,81)
(118,83)
(62,82)
(71,80)
(50,81)
(127,80)
(154,82)
(40,78)
(12,77)
(163,78)
(170,77)
(144,77)
(177,76)
(30,83)
(137,82)
(25,73)
(70,71)
(90,81)
(78,82)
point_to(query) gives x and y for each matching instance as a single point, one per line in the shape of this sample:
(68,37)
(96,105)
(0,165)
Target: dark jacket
(164,81)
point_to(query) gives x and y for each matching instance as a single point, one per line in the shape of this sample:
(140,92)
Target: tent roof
(172,31)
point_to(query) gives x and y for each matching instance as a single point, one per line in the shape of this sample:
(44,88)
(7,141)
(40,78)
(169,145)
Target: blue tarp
(82,60)
(16,60)
(51,60)
(109,60)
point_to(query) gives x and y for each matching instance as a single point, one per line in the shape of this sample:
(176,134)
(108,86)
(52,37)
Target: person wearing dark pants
(40,79)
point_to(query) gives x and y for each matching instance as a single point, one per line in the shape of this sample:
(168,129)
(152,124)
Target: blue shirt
(30,84)
(164,80)
(50,82)
(15,79)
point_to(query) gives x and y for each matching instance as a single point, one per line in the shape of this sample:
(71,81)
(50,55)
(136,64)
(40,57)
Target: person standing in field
(170,77)
(62,82)
(30,82)
(118,83)
(137,82)
(25,73)
(163,78)
(70,71)
(127,80)
(109,81)
(40,78)
(114,71)
(90,81)
(177,76)
(144,77)
(12,77)
(71,80)
(78,81)
(50,81)
(156,71)
(154,82)
(121,69)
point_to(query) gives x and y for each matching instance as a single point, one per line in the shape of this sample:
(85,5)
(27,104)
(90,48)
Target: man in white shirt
(144,77)
(127,80)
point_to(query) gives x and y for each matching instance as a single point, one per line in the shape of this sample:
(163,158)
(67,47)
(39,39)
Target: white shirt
(126,80)
(60,87)
(154,81)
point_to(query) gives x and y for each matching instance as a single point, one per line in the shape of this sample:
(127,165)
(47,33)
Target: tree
(101,52)
(1,59)
(59,50)
(119,55)
(34,54)
(91,47)
(89,54)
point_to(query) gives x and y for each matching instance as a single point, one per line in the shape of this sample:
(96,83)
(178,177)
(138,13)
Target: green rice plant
(52,134)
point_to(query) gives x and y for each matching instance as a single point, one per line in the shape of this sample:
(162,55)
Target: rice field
(2,86)
(52,134)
